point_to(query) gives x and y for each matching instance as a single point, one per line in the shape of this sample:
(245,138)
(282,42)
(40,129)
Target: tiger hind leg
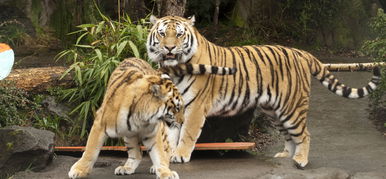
(134,157)
(297,135)
(302,149)
(289,145)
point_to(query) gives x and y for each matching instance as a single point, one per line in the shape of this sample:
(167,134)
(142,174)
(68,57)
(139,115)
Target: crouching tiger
(141,105)
(275,78)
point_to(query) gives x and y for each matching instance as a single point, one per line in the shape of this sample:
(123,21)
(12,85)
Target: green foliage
(51,123)
(301,23)
(70,13)
(12,32)
(99,48)
(296,19)
(377,49)
(16,106)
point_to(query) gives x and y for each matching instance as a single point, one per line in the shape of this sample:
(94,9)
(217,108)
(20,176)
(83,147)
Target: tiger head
(169,100)
(171,40)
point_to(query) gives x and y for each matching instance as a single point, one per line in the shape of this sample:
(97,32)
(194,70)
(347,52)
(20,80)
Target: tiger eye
(180,34)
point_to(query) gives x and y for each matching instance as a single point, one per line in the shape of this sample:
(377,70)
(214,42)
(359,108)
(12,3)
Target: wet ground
(344,143)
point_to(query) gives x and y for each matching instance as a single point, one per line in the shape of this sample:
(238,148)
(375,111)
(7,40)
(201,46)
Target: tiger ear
(156,90)
(191,20)
(153,19)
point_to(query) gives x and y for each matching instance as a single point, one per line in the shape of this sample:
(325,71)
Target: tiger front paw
(78,171)
(180,158)
(124,170)
(153,170)
(300,161)
(168,175)
(284,154)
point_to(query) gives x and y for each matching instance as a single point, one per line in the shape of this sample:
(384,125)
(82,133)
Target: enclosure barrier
(199,146)
(353,66)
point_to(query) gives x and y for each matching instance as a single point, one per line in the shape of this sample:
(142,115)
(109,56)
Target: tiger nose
(170,48)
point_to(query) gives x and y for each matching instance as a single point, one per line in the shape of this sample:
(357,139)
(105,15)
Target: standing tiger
(275,78)
(141,105)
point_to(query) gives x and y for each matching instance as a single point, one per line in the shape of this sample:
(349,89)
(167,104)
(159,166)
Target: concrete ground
(344,144)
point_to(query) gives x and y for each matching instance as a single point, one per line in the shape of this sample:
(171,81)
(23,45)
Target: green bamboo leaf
(100,13)
(106,79)
(99,93)
(123,32)
(92,30)
(85,25)
(99,54)
(85,111)
(62,54)
(84,46)
(80,38)
(77,108)
(112,47)
(75,32)
(65,73)
(116,62)
(78,74)
(100,27)
(75,57)
(128,19)
(112,26)
(120,47)
(140,32)
(134,49)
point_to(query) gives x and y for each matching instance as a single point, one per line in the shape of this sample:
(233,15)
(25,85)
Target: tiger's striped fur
(197,69)
(141,105)
(275,78)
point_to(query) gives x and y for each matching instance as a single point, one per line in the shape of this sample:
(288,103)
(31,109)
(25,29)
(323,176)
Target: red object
(200,146)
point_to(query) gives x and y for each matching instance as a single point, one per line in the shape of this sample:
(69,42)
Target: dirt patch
(263,132)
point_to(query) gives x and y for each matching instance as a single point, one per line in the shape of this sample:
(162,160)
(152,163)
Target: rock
(319,173)
(56,108)
(24,148)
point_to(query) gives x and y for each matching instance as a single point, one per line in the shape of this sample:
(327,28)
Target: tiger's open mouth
(170,56)
(170,59)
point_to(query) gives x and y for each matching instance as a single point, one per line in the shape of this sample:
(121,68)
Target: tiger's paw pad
(282,155)
(153,170)
(76,173)
(123,170)
(300,163)
(299,166)
(179,159)
(80,169)
(169,175)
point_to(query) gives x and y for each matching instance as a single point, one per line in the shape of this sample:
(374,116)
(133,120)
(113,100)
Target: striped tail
(329,81)
(197,69)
